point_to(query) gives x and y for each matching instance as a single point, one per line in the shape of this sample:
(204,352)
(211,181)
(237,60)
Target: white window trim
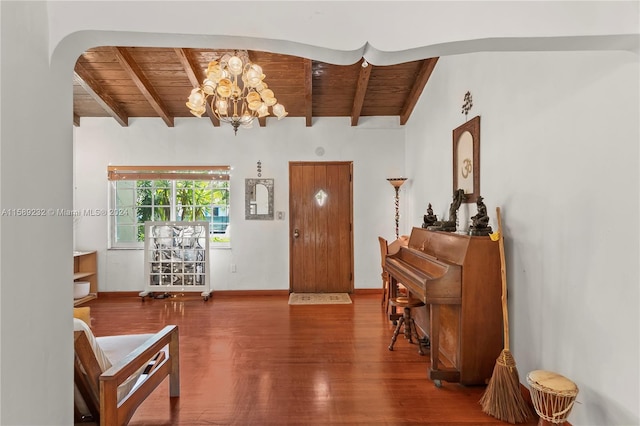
(172,173)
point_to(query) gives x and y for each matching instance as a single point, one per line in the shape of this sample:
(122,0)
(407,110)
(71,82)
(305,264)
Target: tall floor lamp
(397,183)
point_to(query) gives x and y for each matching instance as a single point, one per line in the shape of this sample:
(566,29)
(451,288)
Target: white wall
(336,32)
(559,156)
(260,249)
(36,266)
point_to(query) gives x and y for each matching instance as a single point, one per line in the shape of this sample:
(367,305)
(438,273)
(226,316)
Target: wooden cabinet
(85,268)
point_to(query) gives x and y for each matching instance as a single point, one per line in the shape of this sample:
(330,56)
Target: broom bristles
(503,399)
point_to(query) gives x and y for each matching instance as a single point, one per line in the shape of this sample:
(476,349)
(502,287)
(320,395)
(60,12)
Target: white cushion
(103,360)
(117,347)
(101,357)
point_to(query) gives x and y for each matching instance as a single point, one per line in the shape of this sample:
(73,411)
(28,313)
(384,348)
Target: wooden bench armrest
(113,412)
(137,358)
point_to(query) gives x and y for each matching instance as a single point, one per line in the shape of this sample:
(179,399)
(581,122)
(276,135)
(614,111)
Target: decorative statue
(480,222)
(450,225)
(429,218)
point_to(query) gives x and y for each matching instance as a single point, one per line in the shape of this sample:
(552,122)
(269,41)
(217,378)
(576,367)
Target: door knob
(296,233)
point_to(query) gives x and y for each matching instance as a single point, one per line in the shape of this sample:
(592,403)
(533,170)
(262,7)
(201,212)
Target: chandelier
(235,90)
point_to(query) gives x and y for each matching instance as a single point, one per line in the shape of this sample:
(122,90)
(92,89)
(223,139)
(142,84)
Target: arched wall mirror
(466,159)
(258,199)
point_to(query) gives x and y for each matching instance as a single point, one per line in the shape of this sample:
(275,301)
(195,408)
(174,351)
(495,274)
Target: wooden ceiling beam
(308,91)
(391,91)
(195,75)
(361,91)
(76,120)
(416,90)
(144,85)
(97,92)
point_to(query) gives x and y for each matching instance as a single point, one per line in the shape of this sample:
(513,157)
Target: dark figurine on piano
(480,222)
(429,218)
(450,225)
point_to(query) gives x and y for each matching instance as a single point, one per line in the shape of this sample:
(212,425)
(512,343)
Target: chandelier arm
(214,109)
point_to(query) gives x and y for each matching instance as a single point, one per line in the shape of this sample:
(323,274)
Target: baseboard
(229,293)
(236,293)
(526,394)
(117,294)
(367,291)
(217,293)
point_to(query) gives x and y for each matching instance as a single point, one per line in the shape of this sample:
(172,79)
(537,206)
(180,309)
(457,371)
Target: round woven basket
(552,395)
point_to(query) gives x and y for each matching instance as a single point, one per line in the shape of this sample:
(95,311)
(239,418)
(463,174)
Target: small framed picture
(466,159)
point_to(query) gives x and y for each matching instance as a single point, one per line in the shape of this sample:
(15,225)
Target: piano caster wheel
(438,383)
(424,342)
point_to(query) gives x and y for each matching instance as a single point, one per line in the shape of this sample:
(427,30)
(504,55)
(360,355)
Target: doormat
(319,299)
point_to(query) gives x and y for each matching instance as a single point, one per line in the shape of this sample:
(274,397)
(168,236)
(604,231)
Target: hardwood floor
(255,360)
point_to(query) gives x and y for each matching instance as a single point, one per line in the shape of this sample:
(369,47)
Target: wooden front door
(320,230)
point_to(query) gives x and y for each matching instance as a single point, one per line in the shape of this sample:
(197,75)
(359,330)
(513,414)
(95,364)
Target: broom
(503,399)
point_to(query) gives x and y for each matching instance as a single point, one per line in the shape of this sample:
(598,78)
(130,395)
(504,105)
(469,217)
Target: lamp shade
(397,182)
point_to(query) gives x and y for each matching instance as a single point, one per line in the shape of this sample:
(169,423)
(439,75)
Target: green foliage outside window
(156,200)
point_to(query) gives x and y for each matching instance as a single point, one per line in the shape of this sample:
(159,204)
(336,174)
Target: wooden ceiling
(125,82)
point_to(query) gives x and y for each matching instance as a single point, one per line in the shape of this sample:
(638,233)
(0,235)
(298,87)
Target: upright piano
(459,279)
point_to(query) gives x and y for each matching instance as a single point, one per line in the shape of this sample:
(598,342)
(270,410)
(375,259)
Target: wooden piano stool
(389,292)
(406,321)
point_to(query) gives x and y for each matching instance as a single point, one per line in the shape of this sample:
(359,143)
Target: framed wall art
(258,194)
(466,159)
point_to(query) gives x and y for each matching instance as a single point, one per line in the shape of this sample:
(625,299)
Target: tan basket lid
(552,380)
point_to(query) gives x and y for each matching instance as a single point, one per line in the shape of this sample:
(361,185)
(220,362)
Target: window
(140,194)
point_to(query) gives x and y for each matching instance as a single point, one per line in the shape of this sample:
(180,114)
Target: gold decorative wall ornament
(468,104)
